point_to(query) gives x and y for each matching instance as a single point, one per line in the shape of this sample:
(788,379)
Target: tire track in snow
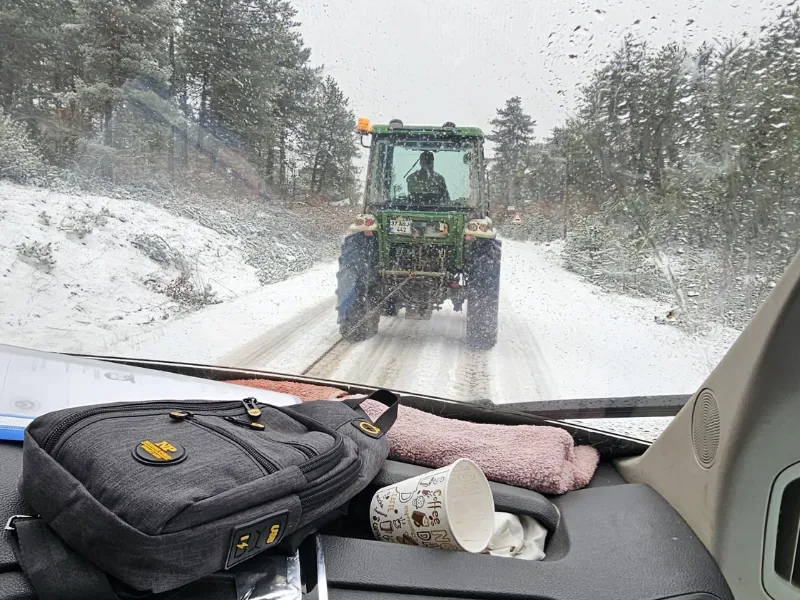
(472,379)
(328,365)
(430,356)
(469,375)
(279,341)
(381,360)
(402,342)
(522,357)
(412,355)
(327,362)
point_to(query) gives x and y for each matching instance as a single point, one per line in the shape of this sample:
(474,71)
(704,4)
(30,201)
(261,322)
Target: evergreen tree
(328,144)
(217,80)
(119,42)
(512,131)
(698,147)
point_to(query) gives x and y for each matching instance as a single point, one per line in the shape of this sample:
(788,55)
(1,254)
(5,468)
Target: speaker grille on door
(705,428)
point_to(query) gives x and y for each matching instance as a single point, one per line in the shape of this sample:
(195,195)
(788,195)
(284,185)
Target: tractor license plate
(400,226)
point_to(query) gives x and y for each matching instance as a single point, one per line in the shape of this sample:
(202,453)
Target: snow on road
(278,321)
(560,337)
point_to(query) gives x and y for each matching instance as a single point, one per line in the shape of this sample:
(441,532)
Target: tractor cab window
(404,176)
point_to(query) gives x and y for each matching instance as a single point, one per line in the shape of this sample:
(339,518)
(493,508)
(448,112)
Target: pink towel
(539,458)
(304,391)
(543,459)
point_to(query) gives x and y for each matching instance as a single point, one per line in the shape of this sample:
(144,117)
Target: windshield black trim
(605,408)
(610,445)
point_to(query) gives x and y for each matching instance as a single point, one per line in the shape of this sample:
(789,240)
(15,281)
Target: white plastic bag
(517,536)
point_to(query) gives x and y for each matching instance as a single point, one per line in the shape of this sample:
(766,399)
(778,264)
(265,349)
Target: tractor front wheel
(483,293)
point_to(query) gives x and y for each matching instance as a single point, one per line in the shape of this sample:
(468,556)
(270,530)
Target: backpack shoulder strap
(55,570)
(390,399)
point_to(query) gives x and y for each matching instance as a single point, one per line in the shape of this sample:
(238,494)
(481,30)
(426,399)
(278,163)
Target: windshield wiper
(416,162)
(404,203)
(437,207)
(599,408)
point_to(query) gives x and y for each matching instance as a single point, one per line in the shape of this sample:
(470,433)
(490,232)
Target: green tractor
(424,235)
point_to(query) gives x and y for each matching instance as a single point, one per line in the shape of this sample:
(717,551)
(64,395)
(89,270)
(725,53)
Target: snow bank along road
(560,337)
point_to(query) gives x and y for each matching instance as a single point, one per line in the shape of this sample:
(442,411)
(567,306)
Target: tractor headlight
(365,223)
(481,228)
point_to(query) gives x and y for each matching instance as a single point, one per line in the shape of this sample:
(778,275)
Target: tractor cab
(425,168)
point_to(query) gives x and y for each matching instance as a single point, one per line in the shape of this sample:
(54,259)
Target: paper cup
(451,508)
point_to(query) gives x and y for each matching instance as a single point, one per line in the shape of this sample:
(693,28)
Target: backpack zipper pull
(251,406)
(246,424)
(180,415)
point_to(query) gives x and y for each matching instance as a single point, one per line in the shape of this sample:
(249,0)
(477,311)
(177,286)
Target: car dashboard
(612,540)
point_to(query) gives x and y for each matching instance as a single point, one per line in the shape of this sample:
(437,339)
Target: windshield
(422,173)
(491,202)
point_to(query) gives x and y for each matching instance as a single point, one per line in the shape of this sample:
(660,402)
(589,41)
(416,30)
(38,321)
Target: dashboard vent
(706,428)
(787,558)
(780,567)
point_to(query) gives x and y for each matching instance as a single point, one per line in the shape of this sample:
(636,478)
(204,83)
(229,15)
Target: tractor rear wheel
(483,293)
(357,288)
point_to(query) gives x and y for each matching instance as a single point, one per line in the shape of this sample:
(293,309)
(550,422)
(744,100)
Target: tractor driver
(426,180)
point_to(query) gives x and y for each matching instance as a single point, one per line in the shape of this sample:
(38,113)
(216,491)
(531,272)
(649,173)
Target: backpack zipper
(321,459)
(331,455)
(309,451)
(251,404)
(315,457)
(57,433)
(266,463)
(318,494)
(63,426)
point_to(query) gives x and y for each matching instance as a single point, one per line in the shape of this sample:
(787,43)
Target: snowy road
(427,356)
(560,337)
(102,291)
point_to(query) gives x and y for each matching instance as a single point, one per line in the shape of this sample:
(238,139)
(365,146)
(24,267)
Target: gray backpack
(158,494)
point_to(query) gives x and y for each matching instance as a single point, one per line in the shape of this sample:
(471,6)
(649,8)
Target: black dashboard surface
(13,584)
(612,541)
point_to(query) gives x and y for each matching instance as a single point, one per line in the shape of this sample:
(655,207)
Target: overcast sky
(431,61)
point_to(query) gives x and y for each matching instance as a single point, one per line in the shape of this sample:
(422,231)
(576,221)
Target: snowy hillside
(84,272)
